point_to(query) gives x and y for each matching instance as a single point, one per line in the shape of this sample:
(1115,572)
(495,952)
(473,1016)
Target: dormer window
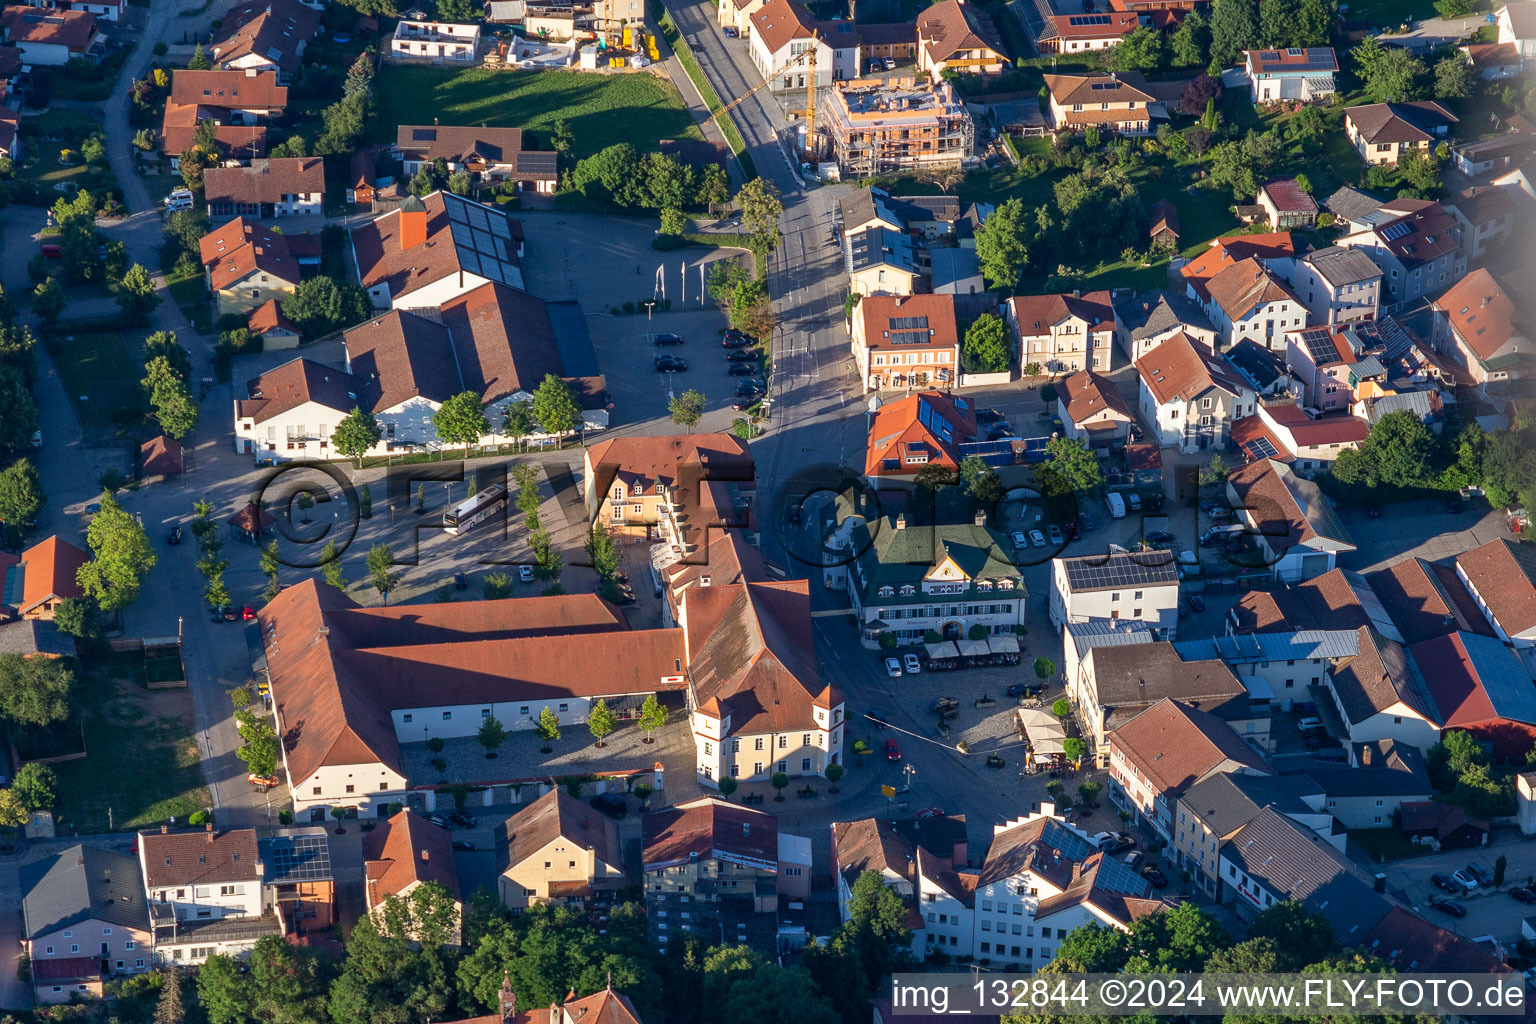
(886,591)
(908,590)
(1005,584)
(983,584)
(639,488)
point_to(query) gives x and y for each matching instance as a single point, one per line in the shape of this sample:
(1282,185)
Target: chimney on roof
(980,519)
(413,223)
(1365,756)
(426,855)
(1487,299)
(208,830)
(901,520)
(1048,808)
(165,829)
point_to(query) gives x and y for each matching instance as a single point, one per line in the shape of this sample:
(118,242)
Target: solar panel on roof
(1121,571)
(424,134)
(1320,347)
(299,858)
(1392,232)
(1261,448)
(1088,19)
(908,337)
(903,323)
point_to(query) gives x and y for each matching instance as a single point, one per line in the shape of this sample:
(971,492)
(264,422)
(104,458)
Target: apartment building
(1337,284)
(1419,251)
(84,922)
(205,892)
(559,850)
(1191,396)
(1064,333)
(899,125)
(402,854)
(910,341)
(1211,811)
(1116,587)
(1250,301)
(436,41)
(923,861)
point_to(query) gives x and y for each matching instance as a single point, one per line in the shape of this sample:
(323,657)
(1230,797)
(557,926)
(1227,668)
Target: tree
(359,81)
(1234,28)
(319,305)
(35,785)
(1002,244)
(492,735)
(750,310)
(1279,22)
(778,780)
(687,408)
(1315,21)
(1450,10)
(461,420)
(980,480)
(1453,78)
(760,206)
(1389,75)
(357,432)
(271,564)
(986,348)
(461,183)
(48,300)
(673,222)
(1500,866)
(1306,126)
(1061,707)
(548,727)
(121,556)
(223,991)
(164,343)
(169,397)
(168,1009)
(727,786)
(136,295)
(1143,49)
(13,813)
(380,576)
(611,174)
(714,188)
(79,617)
(561,139)
(519,422)
(344,123)
(1090,790)
(555,407)
(548,563)
(34,691)
(199,60)
(1419,170)
(1072,469)
(260,749)
(601,721)
(1298,933)
(21,495)
(652,716)
(1074,749)
(1397,452)
(1191,42)
(602,551)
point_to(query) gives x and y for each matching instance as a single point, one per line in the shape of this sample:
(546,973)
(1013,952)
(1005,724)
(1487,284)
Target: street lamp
(650,306)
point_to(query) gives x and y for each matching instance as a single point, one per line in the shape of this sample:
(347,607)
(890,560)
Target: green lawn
(602,109)
(1388,13)
(100,375)
(141,759)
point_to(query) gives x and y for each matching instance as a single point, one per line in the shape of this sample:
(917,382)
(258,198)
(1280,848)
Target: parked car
(1196,602)
(1156,877)
(173,535)
(1483,875)
(264,781)
(1451,907)
(742,355)
(525,573)
(730,33)
(893,668)
(928,812)
(735,339)
(740,369)
(1087,522)
(999,431)
(1310,724)
(1464,879)
(1054,533)
(1133,500)
(1036,538)
(1022,690)
(1524,894)
(231,613)
(876,717)
(670,364)
(911,664)
(462,819)
(1134,859)
(610,804)
(438,820)
(756,384)
(1441,880)
(667,338)
(1160,537)
(986,416)
(892,750)
(1019,541)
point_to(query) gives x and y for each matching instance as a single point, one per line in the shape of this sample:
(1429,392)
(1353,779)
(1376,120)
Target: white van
(1116,505)
(180,199)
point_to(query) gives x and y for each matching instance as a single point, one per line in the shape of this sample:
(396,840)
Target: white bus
(466,514)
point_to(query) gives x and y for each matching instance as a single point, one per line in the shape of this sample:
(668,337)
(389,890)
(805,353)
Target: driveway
(1489,912)
(1421,529)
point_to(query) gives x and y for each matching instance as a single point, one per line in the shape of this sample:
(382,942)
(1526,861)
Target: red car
(892,750)
(247,613)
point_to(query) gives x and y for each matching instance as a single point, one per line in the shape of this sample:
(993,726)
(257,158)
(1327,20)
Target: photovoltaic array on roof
(1509,689)
(907,323)
(1120,570)
(1320,346)
(483,239)
(299,858)
(908,337)
(934,420)
(1392,232)
(1260,448)
(1088,19)
(993,453)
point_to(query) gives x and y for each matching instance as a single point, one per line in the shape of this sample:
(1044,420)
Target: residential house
(1286,206)
(559,850)
(490,154)
(1517,27)
(1480,686)
(275,330)
(724,559)
(736,14)
(782,39)
(1249,300)
(708,863)
(279,187)
(413,258)
(1274,251)
(872,207)
(1337,599)
(1337,284)
(1189,395)
(1081,33)
(105,10)
(1501,578)
(43,576)
(1496,154)
(1278,666)
(1482,326)
(1092,410)
(401,855)
(239,103)
(1380,777)
(1156,756)
(1274,859)
(1485,215)
(955,272)
(911,578)
(923,217)
(266,35)
(880,126)
(246,265)
(291,407)
(1080,638)
(1493,62)
(1064,333)
(564,22)
(924,861)
(10,132)
(1120,681)
(1213,810)
(436,41)
(1427,600)
(298,880)
(905,341)
(881,262)
(1352,207)
(83,921)
(1264,369)
(343,743)
(1296,532)
(49,38)
(1304,442)
(205,893)
(1381,694)
(1116,586)
(1164,219)
(1382,132)
(1145,321)
(1101,100)
(1042,879)
(1419,251)
(1328,363)
(912,432)
(956,35)
(1297,73)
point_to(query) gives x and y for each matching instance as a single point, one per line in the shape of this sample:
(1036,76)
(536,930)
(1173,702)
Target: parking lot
(604,262)
(1489,912)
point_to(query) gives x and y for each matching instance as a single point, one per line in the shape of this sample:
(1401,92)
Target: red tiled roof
(1287,196)
(234,251)
(205,856)
(272,30)
(405,850)
(269,317)
(1037,314)
(896,430)
(947,27)
(1288,508)
(1180,369)
(1245,286)
(1427,600)
(708,828)
(1336,428)
(160,456)
(1398,122)
(228,90)
(50,567)
(1175,745)
(779,21)
(1324,602)
(1503,574)
(74,29)
(178,131)
(879,311)
(1226,251)
(1491,54)
(66,968)
(1118,25)
(1483,314)
(1086,394)
(293,383)
(1068,90)
(1313,59)
(264,181)
(1248,429)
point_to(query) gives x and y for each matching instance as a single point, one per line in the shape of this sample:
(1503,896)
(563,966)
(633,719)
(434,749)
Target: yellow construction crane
(808,58)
